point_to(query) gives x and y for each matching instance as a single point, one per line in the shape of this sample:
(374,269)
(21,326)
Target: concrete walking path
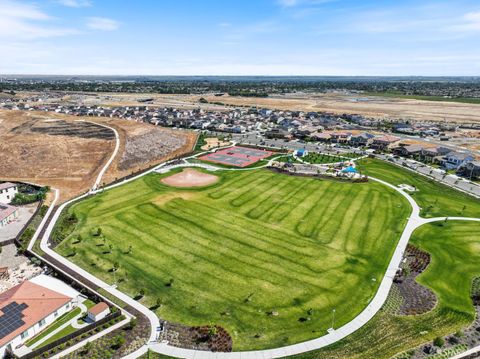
(413,222)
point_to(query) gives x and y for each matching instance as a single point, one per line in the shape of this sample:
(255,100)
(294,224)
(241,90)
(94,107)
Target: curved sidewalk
(414,221)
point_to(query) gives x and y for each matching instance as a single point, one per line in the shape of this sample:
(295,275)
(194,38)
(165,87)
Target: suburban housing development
(239,179)
(260,194)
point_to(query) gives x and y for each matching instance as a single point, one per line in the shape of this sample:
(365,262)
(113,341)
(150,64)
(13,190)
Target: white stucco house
(8,191)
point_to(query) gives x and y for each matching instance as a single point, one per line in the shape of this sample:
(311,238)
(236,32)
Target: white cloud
(21,21)
(75,3)
(470,22)
(18,10)
(102,23)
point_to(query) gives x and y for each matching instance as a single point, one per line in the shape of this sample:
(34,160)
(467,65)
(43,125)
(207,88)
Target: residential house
(470,170)
(7,214)
(384,142)
(321,136)
(409,150)
(339,137)
(8,191)
(434,154)
(454,159)
(29,307)
(361,140)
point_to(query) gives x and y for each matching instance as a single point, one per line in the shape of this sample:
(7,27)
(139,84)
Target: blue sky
(248,37)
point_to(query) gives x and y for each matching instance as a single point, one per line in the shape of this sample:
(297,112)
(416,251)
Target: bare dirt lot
(143,146)
(213,142)
(66,161)
(190,178)
(67,153)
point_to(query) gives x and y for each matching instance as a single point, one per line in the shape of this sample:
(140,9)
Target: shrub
(439,342)
(87,347)
(132,324)
(117,341)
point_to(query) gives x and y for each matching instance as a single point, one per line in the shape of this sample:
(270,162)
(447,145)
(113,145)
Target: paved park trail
(412,223)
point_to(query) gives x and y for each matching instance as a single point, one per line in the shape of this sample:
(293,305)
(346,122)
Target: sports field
(455,250)
(265,255)
(435,199)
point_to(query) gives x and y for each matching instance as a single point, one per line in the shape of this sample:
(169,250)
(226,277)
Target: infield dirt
(190,178)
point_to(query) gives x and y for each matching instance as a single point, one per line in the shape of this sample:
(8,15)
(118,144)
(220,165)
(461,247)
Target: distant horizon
(243,76)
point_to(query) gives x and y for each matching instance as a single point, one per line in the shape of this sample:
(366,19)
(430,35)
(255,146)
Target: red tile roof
(6,210)
(98,308)
(41,303)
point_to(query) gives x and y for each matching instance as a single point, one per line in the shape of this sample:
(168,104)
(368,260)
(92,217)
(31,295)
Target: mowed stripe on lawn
(255,242)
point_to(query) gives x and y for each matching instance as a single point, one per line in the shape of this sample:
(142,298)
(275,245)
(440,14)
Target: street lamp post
(333,318)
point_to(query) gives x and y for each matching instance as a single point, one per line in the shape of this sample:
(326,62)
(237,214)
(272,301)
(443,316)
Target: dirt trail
(63,152)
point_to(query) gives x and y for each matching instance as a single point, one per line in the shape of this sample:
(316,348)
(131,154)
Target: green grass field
(255,243)
(455,253)
(55,325)
(435,199)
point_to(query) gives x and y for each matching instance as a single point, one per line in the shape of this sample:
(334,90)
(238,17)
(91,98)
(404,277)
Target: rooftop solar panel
(11,319)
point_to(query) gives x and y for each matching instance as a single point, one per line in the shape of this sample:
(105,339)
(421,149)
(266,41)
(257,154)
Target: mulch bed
(416,299)
(198,338)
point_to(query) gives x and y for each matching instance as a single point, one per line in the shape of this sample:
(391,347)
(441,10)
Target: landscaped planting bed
(415,298)
(211,338)
(453,248)
(264,255)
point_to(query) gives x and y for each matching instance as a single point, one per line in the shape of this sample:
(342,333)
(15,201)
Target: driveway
(13,228)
